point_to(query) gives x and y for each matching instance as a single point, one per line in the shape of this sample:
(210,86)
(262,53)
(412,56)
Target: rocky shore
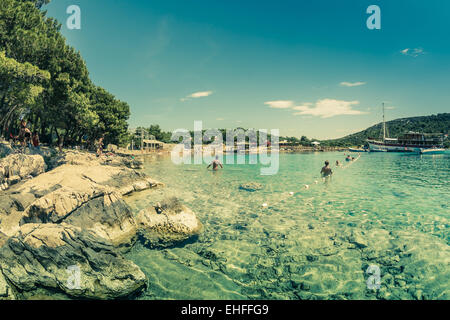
(66,212)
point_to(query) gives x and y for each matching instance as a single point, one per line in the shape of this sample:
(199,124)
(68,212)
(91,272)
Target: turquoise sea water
(387,210)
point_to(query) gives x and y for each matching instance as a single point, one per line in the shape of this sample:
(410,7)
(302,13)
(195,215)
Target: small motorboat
(357,150)
(432,151)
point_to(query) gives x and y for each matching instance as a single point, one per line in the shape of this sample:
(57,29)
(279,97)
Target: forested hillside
(439,123)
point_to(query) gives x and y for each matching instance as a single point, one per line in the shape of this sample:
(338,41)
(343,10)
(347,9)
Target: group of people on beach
(29,139)
(26,138)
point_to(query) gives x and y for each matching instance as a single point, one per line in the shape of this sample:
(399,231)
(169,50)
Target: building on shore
(152,145)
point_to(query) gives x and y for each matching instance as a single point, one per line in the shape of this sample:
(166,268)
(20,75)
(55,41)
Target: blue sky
(305,67)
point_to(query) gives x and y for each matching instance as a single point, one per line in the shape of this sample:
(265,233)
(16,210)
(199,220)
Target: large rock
(49,257)
(75,157)
(126,161)
(16,167)
(6,292)
(115,222)
(167,224)
(88,192)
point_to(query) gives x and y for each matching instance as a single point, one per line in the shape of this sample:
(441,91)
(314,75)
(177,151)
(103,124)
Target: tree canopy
(46,81)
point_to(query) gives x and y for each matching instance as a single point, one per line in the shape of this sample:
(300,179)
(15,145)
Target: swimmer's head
(327,163)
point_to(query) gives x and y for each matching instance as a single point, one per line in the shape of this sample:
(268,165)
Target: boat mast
(384,126)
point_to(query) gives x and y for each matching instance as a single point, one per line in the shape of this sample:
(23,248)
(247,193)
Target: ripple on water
(385,209)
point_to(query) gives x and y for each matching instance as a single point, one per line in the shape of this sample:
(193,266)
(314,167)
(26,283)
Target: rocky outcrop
(63,258)
(85,196)
(75,157)
(17,167)
(129,162)
(6,292)
(115,223)
(5,149)
(167,224)
(74,217)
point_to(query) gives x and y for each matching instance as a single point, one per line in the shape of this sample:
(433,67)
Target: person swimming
(338,163)
(215,164)
(348,158)
(326,170)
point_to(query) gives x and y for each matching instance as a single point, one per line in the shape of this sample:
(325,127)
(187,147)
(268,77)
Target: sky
(309,68)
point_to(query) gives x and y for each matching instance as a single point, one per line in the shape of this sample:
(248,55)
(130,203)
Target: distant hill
(439,123)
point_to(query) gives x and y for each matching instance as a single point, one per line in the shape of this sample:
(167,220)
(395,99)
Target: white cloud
(412,52)
(195,95)
(352,84)
(280,104)
(200,94)
(405,51)
(327,108)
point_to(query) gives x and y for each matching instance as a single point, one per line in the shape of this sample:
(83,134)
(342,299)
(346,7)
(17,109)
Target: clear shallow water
(388,210)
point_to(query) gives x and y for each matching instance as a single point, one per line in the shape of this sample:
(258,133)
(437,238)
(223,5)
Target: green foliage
(20,85)
(160,135)
(37,3)
(112,114)
(61,100)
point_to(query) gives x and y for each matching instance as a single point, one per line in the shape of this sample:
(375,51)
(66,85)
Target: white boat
(432,151)
(357,150)
(408,142)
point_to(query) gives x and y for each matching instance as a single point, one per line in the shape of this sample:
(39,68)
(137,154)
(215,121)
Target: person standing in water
(326,170)
(215,164)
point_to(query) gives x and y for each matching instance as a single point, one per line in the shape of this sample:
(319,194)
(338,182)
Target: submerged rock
(167,223)
(50,257)
(251,186)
